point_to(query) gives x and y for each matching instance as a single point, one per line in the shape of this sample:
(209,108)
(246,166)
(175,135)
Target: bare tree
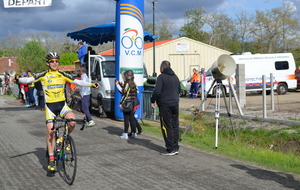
(289,25)
(245,27)
(274,28)
(222,30)
(269,28)
(165,28)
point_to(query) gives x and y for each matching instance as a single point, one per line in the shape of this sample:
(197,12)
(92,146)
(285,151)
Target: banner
(26,3)
(129,46)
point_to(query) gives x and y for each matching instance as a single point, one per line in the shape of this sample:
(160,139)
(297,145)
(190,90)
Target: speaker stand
(219,91)
(202,102)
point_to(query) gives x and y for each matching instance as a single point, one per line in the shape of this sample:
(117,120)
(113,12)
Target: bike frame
(59,150)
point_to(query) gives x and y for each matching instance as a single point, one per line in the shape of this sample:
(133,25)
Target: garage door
(183,64)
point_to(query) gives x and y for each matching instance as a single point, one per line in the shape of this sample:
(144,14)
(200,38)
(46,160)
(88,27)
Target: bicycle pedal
(50,174)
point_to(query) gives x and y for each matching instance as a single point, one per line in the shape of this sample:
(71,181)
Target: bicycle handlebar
(79,121)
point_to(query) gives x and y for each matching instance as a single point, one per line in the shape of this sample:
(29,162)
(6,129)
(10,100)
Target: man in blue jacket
(166,95)
(81,53)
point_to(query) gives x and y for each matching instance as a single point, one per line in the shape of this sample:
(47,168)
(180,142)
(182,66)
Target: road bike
(65,156)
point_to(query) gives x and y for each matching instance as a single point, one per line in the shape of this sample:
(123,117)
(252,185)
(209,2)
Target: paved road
(107,162)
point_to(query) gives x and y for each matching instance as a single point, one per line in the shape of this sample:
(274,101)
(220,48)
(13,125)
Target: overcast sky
(70,15)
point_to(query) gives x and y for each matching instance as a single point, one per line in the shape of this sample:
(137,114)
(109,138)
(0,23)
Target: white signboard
(26,3)
(182,46)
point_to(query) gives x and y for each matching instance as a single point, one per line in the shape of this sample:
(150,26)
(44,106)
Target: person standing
(25,90)
(297,74)
(85,93)
(1,86)
(81,53)
(31,99)
(86,58)
(16,81)
(40,93)
(195,81)
(129,91)
(137,125)
(166,96)
(6,82)
(136,106)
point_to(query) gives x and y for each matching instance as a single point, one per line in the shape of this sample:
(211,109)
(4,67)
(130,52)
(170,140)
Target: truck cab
(103,72)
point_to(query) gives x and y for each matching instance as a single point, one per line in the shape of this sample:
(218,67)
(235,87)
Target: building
(183,53)
(8,64)
(67,68)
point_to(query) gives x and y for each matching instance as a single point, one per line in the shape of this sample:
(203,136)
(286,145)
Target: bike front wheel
(69,160)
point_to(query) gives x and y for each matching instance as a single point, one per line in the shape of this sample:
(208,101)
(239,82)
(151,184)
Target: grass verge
(274,149)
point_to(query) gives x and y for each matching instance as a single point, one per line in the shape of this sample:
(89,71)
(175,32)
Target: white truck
(282,65)
(102,71)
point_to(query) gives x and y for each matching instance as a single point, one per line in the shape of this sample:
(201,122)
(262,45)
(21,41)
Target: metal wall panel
(184,55)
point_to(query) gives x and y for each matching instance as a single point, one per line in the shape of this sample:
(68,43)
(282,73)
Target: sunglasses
(53,60)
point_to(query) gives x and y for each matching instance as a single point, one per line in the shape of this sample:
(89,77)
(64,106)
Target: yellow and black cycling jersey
(54,84)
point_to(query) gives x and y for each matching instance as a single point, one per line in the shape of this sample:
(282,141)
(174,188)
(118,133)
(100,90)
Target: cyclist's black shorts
(56,109)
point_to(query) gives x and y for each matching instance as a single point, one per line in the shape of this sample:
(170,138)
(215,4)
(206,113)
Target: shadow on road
(138,141)
(40,154)
(16,108)
(281,178)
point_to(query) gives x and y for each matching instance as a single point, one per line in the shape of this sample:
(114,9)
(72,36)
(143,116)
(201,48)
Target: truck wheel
(282,89)
(268,92)
(183,93)
(78,106)
(102,112)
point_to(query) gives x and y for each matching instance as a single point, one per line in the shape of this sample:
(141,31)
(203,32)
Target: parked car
(149,84)
(187,85)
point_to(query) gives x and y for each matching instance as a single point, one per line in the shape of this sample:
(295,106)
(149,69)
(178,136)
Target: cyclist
(53,82)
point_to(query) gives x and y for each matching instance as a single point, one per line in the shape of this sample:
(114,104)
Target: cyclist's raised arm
(26,80)
(83,83)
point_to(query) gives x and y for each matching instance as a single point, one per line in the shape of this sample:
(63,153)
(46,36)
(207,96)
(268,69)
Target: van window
(97,69)
(108,69)
(282,65)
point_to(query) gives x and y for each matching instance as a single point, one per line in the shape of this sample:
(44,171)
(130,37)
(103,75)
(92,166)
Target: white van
(102,71)
(282,65)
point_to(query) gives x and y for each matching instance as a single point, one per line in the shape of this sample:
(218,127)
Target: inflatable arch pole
(129,46)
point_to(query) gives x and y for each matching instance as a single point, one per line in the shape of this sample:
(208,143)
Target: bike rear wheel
(69,160)
(8,91)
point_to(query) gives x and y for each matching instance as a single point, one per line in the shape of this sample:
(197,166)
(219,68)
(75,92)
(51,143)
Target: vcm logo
(132,42)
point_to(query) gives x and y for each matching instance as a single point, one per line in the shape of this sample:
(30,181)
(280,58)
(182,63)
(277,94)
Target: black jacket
(167,89)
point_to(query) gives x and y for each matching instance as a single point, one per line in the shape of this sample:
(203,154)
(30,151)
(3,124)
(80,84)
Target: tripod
(219,91)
